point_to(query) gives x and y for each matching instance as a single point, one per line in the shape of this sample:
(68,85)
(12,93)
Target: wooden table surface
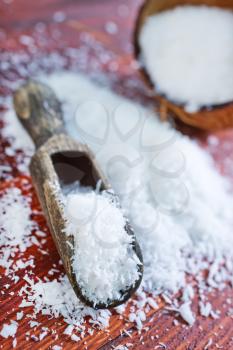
(78,41)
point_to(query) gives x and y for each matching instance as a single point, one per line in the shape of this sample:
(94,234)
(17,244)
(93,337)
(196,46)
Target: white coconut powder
(104,261)
(179,205)
(188,53)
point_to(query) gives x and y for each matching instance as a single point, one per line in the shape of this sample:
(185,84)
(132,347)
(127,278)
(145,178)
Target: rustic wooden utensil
(214,117)
(60,160)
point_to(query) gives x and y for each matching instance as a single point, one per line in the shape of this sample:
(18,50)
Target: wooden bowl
(214,117)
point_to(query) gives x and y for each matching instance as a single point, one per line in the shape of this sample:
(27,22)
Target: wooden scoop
(60,160)
(214,117)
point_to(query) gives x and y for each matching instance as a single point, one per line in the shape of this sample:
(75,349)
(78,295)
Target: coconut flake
(186,313)
(9,330)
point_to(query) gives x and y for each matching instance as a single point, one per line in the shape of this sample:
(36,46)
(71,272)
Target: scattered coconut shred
(188,53)
(178,204)
(15,226)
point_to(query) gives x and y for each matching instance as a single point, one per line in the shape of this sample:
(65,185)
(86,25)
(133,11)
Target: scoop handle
(39,110)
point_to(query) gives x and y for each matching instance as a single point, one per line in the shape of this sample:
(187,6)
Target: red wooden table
(48,35)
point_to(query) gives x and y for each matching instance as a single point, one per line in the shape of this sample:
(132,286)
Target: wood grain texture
(39,111)
(212,118)
(19,18)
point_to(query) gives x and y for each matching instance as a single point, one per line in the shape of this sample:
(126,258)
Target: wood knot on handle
(21,104)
